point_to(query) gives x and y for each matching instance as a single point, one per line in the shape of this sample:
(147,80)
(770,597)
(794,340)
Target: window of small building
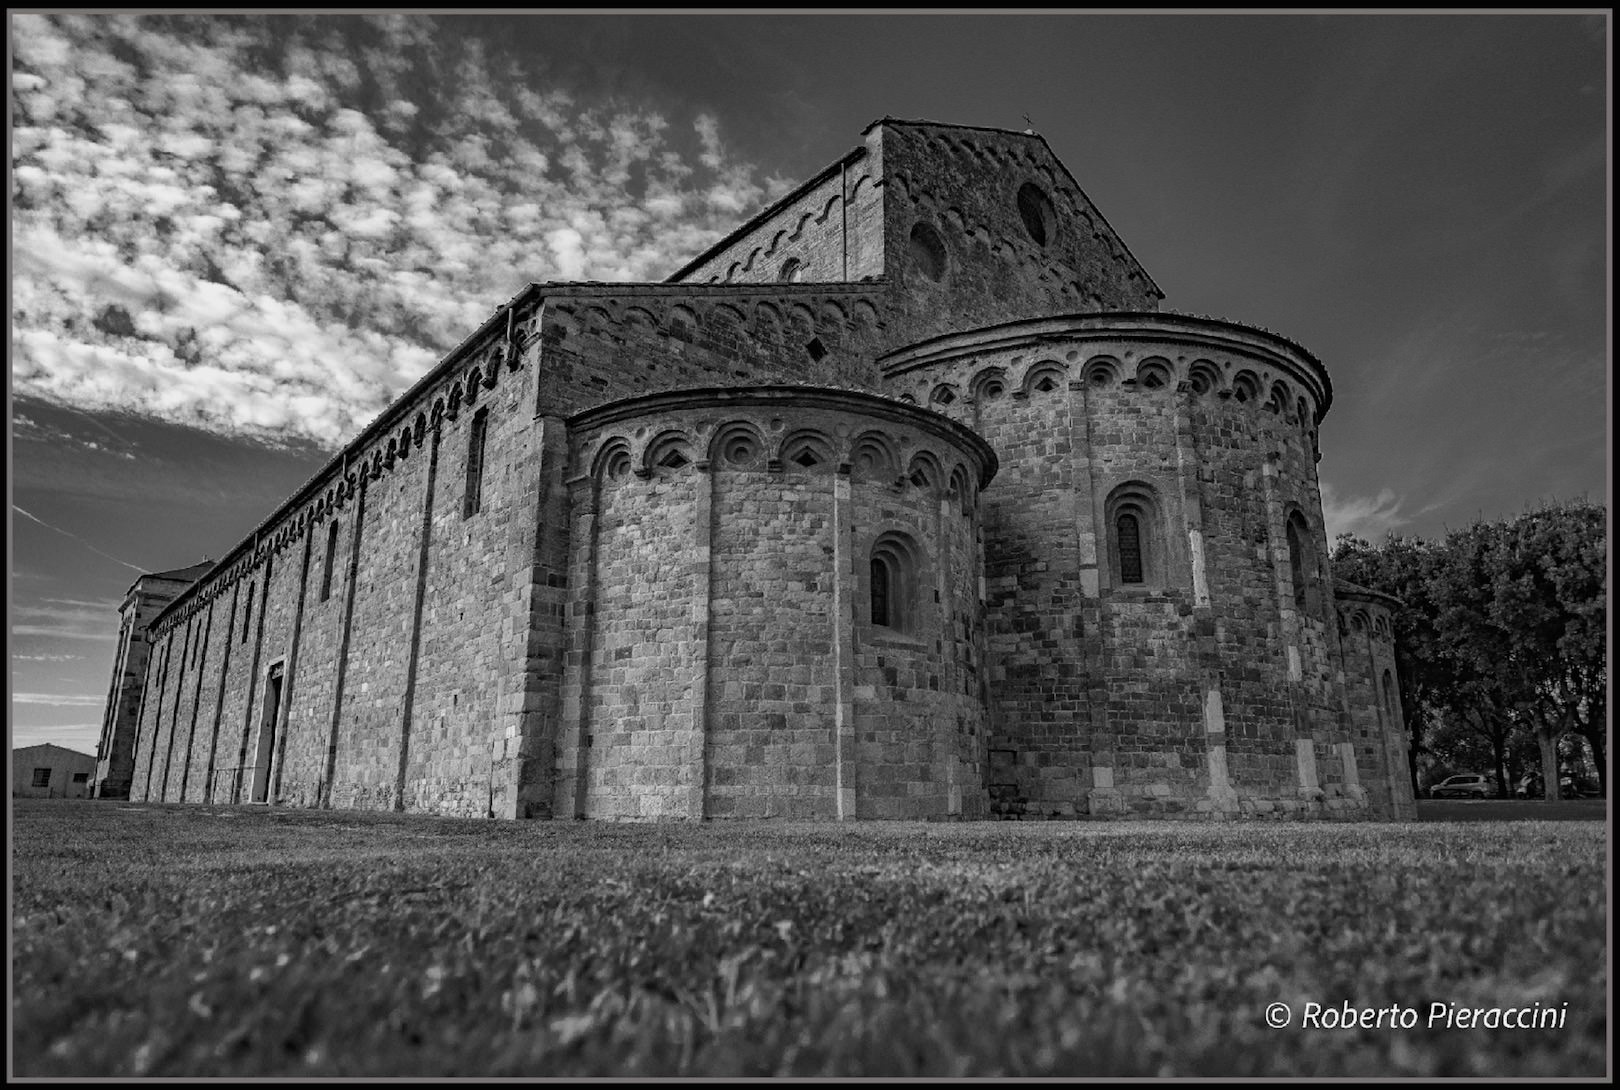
(42,777)
(81,777)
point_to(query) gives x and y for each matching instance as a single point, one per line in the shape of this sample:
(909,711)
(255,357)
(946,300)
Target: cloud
(272,227)
(61,632)
(57,701)
(1369,517)
(66,618)
(25,427)
(79,736)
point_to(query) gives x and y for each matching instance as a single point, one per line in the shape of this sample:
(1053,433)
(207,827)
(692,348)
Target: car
(1469,785)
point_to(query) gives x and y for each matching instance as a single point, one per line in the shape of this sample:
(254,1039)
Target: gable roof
(766,213)
(52,745)
(1030,134)
(851,156)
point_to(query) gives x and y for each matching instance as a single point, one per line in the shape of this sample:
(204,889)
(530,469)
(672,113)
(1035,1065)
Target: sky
(235,239)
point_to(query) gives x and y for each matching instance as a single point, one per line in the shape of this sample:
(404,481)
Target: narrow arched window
(883,612)
(331,556)
(247,614)
(1135,544)
(891,584)
(1129,532)
(1298,560)
(474,501)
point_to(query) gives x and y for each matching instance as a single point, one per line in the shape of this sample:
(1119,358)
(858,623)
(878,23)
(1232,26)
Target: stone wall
(724,658)
(1204,687)
(1374,699)
(830,228)
(983,227)
(282,681)
(427,677)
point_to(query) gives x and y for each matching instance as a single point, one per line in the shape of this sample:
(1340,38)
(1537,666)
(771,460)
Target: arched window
(882,591)
(1128,532)
(927,251)
(891,584)
(247,615)
(1301,563)
(473,498)
(331,555)
(792,271)
(1136,541)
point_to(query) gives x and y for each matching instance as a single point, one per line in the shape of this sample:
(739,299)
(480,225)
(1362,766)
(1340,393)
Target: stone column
(531,742)
(425,540)
(174,711)
(573,783)
(843,622)
(696,749)
(196,698)
(1090,536)
(1308,785)
(257,619)
(353,577)
(285,712)
(219,698)
(949,726)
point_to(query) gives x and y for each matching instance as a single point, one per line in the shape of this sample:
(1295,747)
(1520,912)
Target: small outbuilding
(50,772)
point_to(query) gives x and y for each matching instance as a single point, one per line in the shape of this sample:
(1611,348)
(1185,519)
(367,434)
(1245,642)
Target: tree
(1502,631)
(1522,611)
(1481,692)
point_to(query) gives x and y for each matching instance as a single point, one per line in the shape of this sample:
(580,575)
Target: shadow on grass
(1511,810)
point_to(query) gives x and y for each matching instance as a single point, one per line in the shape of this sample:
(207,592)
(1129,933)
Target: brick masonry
(615,556)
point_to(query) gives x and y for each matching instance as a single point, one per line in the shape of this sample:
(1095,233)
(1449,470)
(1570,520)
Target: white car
(1469,785)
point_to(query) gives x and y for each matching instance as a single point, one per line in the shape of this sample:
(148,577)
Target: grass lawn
(192,941)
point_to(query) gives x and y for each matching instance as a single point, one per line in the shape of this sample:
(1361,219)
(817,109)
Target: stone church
(903,500)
